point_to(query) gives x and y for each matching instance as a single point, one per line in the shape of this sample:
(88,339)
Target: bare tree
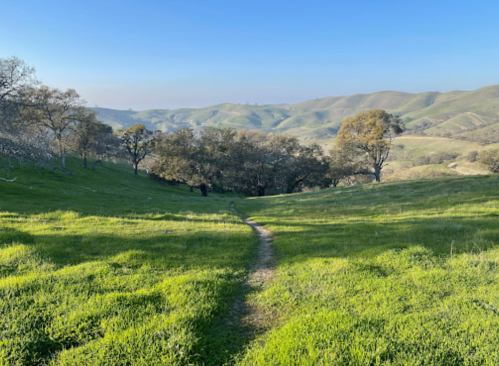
(57,111)
(15,76)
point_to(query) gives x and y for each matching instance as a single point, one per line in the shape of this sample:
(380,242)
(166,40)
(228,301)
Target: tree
(56,110)
(87,134)
(368,136)
(343,164)
(307,167)
(15,77)
(137,141)
(105,144)
(181,160)
(490,159)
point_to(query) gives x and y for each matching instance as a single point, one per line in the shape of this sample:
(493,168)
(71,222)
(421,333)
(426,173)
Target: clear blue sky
(169,54)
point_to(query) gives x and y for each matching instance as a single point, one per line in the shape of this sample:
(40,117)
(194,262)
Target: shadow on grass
(459,234)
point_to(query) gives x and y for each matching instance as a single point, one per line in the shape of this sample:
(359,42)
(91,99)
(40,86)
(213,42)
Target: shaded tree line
(38,122)
(248,162)
(255,163)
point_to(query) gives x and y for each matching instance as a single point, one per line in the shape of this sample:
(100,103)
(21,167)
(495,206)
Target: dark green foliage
(240,161)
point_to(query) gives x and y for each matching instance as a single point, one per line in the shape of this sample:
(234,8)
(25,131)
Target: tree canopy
(367,138)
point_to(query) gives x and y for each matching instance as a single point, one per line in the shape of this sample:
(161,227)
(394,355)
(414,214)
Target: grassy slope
(472,114)
(93,272)
(390,274)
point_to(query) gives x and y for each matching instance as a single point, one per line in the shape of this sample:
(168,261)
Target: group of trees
(255,163)
(38,122)
(241,161)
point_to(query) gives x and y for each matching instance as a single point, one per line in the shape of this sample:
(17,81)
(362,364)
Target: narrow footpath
(261,272)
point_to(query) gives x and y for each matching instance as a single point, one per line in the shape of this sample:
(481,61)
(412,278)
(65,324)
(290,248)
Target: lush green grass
(389,274)
(107,268)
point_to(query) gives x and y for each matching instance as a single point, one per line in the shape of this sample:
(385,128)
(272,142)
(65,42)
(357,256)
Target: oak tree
(368,136)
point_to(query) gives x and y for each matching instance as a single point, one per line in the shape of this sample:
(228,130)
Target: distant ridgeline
(466,115)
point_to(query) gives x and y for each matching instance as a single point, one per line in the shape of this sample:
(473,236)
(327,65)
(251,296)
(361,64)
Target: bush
(422,160)
(472,156)
(490,159)
(441,157)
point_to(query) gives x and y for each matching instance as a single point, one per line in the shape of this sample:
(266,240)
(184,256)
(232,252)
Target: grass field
(391,274)
(107,268)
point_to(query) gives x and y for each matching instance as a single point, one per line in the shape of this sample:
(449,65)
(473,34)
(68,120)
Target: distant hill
(467,115)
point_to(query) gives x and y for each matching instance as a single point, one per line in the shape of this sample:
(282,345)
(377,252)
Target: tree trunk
(377,173)
(335,182)
(135,168)
(61,152)
(191,189)
(95,163)
(260,191)
(85,160)
(204,190)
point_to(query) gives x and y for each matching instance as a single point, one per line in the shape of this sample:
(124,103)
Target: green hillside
(470,115)
(381,274)
(107,268)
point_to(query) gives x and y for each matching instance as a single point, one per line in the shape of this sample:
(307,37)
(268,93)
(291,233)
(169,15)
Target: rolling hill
(468,115)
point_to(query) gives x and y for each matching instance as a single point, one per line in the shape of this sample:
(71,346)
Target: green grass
(108,268)
(389,274)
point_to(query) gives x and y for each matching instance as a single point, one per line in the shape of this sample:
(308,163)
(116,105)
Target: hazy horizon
(285,103)
(169,55)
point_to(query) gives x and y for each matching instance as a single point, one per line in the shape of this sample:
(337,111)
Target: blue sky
(170,54)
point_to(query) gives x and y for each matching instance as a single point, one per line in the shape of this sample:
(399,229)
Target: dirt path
(261,271)
(455,167)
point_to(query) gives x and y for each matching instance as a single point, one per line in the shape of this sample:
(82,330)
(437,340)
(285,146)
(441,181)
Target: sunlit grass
(388,274)
(105,268)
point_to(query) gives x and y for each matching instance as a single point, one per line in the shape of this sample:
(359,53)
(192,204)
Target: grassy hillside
(471,115)
(108,268)
(400,273)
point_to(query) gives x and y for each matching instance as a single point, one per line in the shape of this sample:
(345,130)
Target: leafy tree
(180,160)
(137,141)
(368,136)
(490,159)
(105,144)
(87,134)
(343,164)
(306,168)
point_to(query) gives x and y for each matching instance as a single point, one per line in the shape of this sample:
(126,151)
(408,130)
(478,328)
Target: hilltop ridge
(468,115)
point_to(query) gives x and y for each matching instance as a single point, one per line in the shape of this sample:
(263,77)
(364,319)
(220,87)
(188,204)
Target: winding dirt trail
(261,271)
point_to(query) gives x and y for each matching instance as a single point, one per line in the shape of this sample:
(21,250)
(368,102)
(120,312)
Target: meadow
(399,273)
(107,268)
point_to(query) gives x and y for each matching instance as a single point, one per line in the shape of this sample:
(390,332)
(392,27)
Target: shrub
(490,159)
(472,156)
(422,160)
